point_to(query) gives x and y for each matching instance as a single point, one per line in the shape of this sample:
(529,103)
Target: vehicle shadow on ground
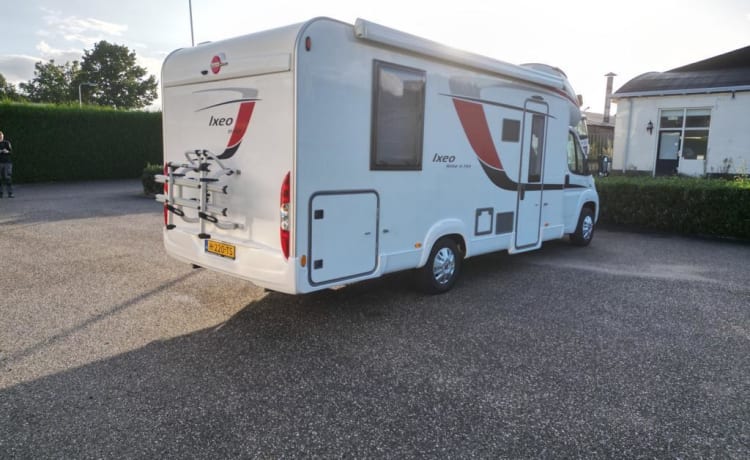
(287,375)
(492,368)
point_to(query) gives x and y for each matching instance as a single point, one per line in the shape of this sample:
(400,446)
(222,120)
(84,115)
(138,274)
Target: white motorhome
(322,154)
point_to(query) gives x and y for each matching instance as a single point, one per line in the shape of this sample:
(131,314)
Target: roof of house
(597,119)
(724,73)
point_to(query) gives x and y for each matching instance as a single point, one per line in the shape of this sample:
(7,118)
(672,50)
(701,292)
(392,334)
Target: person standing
(6,166)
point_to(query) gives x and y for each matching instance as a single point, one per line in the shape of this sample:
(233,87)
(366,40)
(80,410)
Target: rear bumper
(263,266)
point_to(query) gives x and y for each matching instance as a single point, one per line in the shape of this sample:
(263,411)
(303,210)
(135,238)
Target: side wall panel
(334,100)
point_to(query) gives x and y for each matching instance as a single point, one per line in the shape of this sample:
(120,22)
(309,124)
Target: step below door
(343,235)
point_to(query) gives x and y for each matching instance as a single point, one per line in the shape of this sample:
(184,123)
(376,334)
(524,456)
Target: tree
(119,81)
(52,83)
(8,90)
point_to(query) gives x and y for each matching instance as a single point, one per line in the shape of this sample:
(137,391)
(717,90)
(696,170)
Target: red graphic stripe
(243,120)
(477,131)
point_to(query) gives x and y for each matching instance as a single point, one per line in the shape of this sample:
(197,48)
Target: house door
(668,154)
(530,176)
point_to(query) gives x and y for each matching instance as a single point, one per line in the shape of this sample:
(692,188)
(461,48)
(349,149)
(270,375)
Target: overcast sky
(587,39)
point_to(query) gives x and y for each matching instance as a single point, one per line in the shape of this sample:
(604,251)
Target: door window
(669,145)
(536,148)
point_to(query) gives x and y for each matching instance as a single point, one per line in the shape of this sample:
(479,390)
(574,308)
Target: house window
(398,117)
(685,132)
(695,143)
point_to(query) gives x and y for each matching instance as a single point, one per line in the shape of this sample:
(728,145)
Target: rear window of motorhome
(398,117)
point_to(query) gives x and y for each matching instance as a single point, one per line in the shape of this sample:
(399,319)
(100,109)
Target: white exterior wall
(729,137)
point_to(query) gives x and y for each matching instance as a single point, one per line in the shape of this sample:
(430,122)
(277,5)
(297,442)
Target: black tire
(442,268)
(585,230)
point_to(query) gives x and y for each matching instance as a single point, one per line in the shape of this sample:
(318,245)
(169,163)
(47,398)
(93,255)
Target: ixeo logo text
(236,126)
(222,121)
(449,161)
(443,158)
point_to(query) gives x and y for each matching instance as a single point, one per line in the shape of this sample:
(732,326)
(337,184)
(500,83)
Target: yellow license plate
(219,248)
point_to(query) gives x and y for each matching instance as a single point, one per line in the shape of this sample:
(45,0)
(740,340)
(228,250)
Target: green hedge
(681,205)
(68,143)
(148,179)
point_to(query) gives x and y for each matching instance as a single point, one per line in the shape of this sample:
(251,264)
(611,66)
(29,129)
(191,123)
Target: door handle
(521,191)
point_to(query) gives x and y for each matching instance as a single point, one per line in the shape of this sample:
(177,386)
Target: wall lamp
(650,127)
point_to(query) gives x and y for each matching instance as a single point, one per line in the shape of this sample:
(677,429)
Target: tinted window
(671,119)
(398,117)
(536,149)
(511,130)
(577,163)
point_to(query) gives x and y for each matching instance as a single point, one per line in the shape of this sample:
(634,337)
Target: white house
(692,120)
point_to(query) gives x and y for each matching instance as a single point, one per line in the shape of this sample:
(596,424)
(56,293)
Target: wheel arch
(594,206)
(450,228)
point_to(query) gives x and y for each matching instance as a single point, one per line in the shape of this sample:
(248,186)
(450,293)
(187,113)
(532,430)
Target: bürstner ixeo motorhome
(322,154)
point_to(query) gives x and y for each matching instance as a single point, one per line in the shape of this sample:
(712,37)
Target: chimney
(608,95)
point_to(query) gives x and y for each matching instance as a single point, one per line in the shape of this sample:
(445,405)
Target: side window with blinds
(398,117)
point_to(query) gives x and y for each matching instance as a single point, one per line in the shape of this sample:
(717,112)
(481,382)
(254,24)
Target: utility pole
(192,38)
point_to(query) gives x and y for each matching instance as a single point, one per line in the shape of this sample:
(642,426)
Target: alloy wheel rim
(587,227)
(444,266)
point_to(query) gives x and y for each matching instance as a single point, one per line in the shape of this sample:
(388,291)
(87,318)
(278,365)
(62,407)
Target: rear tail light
(166,194)
(284,214)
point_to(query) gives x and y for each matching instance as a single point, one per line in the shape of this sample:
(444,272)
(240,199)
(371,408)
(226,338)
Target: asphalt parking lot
(635,347)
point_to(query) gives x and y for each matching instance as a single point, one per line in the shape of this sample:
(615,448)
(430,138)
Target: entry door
(343,236)
(531,176)
(667,156)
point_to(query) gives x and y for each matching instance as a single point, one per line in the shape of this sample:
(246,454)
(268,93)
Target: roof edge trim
(366,30)
(682,92)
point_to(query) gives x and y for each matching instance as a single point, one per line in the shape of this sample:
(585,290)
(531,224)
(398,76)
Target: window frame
(376,164)
(579,157)
(511,130)
(536,153)
(686,128)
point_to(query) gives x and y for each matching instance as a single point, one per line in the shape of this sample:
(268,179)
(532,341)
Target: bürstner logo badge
(217,62)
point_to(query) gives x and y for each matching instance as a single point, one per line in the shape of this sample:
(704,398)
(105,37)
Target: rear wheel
(442,268)
(585,230)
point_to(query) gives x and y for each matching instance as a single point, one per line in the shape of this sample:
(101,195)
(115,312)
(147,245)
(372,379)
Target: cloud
(86,31)
(55,53)
(61,40)
(17,68)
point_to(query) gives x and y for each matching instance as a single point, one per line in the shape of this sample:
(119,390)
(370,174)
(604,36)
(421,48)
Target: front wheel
(442,268)
(585,230)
